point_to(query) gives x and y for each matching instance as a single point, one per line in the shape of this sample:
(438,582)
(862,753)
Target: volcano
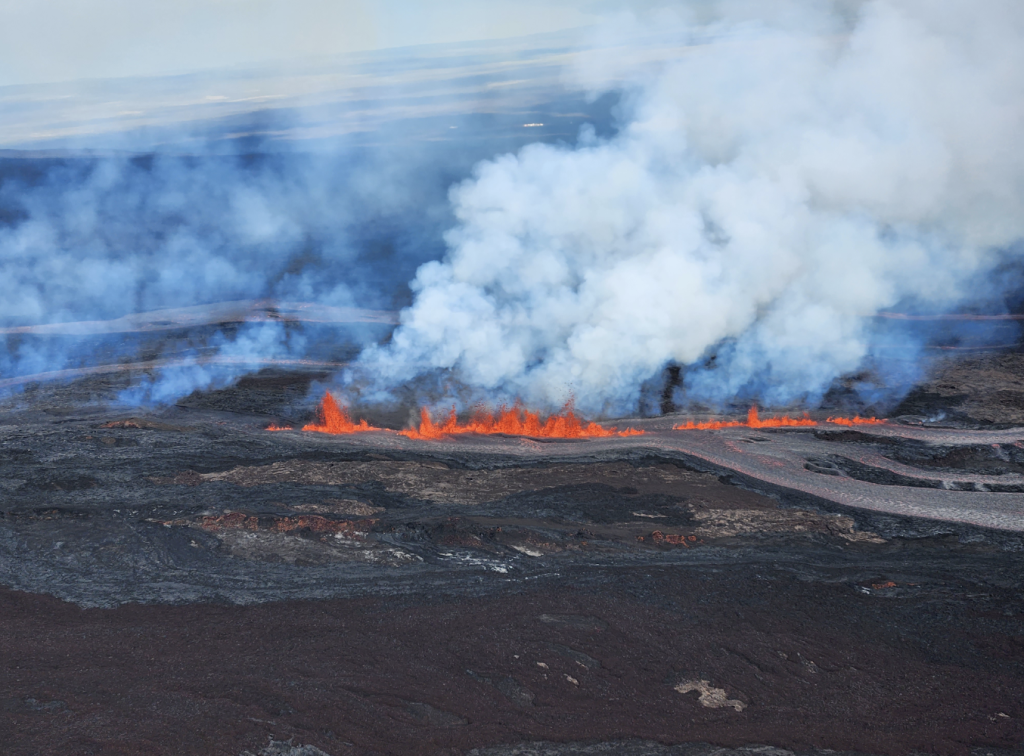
(286,462)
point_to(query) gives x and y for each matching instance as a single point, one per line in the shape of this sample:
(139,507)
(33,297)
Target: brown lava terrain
(184,582)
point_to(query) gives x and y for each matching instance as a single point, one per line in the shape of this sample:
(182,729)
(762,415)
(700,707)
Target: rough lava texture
(184,581)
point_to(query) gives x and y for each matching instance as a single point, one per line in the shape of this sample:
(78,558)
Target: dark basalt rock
(183,581)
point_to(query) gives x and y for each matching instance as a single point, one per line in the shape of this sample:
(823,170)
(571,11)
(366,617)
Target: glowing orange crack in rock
(753,421)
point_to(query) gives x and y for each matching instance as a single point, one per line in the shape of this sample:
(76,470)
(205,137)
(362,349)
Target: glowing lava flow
(334,419)
(515,422)
(856,420)
(753,421)
(330,418)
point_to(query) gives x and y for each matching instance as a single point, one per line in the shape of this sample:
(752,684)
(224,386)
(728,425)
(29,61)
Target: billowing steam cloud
(328,186)
(773,188)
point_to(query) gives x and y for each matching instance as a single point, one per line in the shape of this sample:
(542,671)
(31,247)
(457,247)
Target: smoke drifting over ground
(100,238)
(776,175)
(335,195)
(774,187)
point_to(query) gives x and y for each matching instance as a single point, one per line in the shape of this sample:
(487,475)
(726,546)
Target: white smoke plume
(782,180)
(330,188)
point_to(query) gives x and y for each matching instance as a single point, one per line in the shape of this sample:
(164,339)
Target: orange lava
(334,419)
(753,421)
(856,420)
(515,422)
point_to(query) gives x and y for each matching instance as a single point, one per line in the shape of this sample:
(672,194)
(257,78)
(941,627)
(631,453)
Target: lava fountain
(753,421)
(856,420)
(515,422)
(330,418)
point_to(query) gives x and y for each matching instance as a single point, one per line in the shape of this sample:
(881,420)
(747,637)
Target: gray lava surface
(185,581)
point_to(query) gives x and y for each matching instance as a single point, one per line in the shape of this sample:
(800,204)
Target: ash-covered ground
(183,581)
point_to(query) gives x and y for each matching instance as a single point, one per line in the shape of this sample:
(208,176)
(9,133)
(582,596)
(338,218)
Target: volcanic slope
(372,593)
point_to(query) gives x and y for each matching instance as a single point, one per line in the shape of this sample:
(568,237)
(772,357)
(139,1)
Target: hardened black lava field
(183,581)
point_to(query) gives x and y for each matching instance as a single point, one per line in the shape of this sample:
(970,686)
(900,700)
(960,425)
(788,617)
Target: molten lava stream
(330,418)
(515,422)
(753,421)
(856,420)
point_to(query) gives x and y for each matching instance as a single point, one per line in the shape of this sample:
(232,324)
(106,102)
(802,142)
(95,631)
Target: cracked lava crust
(185,582)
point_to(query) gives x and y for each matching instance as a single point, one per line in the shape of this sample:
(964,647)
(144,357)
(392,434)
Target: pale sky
(61,40)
